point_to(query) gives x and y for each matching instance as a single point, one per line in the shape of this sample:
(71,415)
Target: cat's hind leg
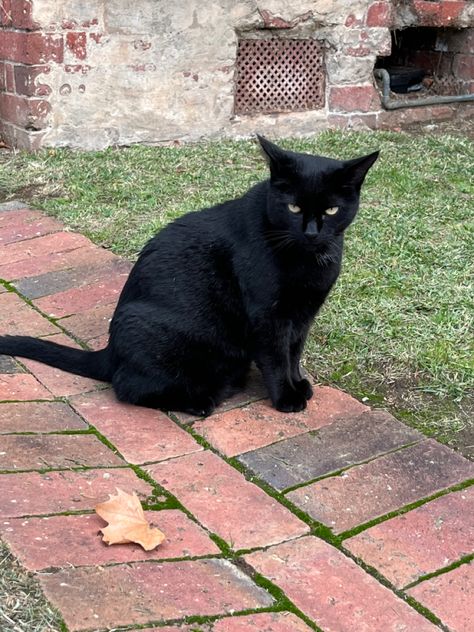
(158,391)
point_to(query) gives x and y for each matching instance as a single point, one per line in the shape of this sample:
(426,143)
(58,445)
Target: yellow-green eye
(332,211)
(293,208)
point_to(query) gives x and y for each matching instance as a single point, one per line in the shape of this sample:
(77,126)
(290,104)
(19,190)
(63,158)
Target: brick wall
(95,73)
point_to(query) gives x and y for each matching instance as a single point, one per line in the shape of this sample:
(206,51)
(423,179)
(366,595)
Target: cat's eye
(293,208)
(331,211)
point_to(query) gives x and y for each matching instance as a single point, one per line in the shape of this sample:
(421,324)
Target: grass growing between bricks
(397,330)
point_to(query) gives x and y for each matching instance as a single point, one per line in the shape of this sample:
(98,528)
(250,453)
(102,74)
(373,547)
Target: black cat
(219,288)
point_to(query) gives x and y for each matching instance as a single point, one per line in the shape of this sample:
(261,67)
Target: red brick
(83,298)
(23,111)
(31,48)
(438,13)
(32,493)
(41,543)
(380,14)
(25,81)
(263,622)
(38,417)
(420,541)
(40,246)
(29,224)
(91,323)
(385,484)
(22,15)
(17,317)
(140,434)
(39,452)
(3,84)
(244,429)
(33,266)
(450,597)
(331,589)
(224,502)
(354,98)
(60,383)
(21,387)
(77,44)
(148,592)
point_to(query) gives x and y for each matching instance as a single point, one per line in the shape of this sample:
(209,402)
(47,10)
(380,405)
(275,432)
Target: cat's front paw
(304,387)
(291,402)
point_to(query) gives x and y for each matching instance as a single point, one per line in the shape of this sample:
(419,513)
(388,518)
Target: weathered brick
(331,589)
(8,365)
(9,81)
(76,540)
(61,383)
(22,15)
(38,417)
(463,67)
(438,13)
(345,442)
(61,280)
(420,541)
(17,317)
(32,493)
(76,43)
(224,502)
(26,81)
(148,592)
(25,111)
(34,266)
(98,343)
(90,324)
(25,225)
(450,597)
(380,14)
(31,48)
(13,205)
(263,622)
(21,387)
(39,452)
(253,391)
(6,13)
(363,98)
(383,485)
(83,298)
(45,245)
(257,425)
(140,434)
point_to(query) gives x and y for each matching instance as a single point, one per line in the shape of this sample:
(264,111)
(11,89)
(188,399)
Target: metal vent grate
(279,75)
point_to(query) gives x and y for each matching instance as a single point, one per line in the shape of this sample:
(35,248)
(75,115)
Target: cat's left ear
(355,170)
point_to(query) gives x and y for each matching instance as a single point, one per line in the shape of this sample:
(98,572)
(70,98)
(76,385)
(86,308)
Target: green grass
(397,329)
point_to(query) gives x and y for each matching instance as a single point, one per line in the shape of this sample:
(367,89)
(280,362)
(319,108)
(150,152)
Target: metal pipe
(391,104)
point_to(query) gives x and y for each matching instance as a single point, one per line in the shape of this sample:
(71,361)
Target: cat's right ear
(280,161)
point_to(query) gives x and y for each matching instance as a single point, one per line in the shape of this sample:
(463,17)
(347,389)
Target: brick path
(339,518)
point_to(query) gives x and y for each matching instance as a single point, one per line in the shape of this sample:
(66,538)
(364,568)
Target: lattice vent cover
(279,75)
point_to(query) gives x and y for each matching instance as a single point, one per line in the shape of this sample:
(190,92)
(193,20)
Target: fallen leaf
(127,522)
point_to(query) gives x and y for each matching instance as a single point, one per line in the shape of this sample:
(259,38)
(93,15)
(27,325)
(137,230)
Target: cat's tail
(93,364)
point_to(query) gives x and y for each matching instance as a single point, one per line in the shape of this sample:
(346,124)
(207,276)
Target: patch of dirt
(456,127)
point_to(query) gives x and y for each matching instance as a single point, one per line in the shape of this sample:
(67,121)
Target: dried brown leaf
(127,522)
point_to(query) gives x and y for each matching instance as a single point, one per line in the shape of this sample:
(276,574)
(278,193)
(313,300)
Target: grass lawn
(397,331)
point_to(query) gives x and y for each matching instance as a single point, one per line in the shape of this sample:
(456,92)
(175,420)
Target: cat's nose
(311,228)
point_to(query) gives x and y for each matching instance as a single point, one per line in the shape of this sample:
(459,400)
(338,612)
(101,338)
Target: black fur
(219,288)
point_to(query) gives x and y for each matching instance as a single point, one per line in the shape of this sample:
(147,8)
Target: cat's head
(312,198)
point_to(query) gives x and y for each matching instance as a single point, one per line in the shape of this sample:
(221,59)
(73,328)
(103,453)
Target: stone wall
(96,73)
